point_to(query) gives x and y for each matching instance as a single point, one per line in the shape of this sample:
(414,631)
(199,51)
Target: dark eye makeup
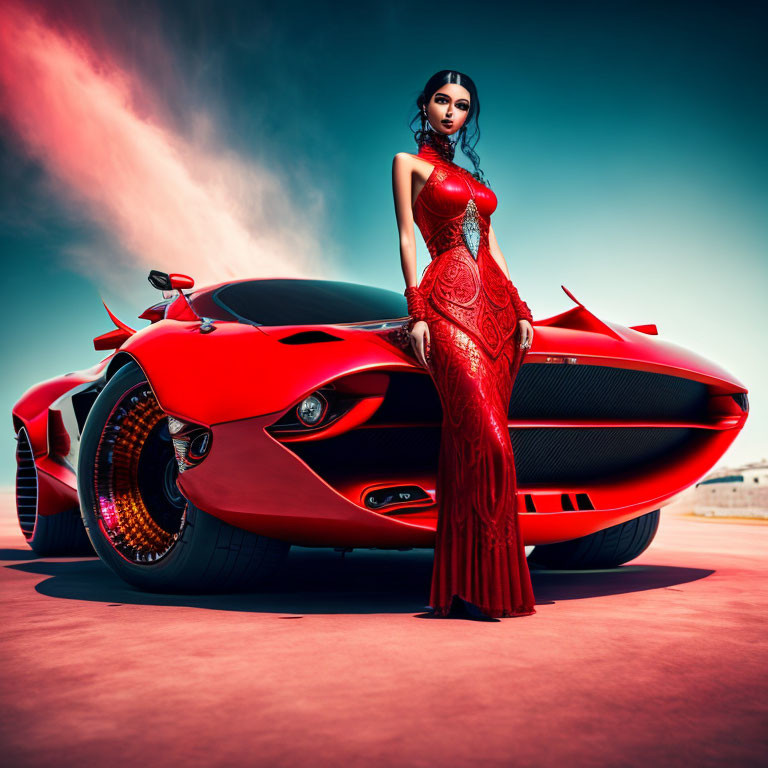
(459,104)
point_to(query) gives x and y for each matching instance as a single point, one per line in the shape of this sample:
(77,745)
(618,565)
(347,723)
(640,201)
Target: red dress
(472,310)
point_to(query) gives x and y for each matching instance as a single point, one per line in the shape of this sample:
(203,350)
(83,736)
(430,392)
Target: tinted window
(306,302)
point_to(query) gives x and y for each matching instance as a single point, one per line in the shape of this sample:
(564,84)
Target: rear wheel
(605,549)
(61,534)
(137,519)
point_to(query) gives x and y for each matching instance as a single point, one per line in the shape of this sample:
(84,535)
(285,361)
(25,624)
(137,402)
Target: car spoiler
(581,319)
(117,337)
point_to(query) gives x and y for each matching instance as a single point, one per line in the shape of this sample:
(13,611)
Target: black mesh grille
(543,455)
(26,484)
(565,455)
(559,391)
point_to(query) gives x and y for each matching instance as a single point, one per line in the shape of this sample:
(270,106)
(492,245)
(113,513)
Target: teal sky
(625,142)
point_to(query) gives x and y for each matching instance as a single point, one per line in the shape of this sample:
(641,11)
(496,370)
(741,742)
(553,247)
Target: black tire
(196,551)
(61,534)
(604,549)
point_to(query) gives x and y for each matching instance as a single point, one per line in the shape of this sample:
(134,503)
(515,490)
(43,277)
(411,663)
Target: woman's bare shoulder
(411,156)
(409,160)
(404,157)
(404,164)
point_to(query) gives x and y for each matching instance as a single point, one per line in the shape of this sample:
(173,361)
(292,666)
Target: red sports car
(254,414)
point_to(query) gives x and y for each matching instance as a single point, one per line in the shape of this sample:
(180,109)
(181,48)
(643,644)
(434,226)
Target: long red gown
(472,310)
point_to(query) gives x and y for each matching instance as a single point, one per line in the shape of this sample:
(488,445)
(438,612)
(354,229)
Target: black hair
(466,140)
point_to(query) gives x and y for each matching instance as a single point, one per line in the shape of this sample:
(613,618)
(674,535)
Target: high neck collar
(436,146)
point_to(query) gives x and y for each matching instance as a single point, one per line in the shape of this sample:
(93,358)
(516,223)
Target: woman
(470,329)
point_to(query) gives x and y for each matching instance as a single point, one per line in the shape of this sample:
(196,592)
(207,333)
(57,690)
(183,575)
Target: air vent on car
(308,337)
(582,502)
(383,497)
(26,484)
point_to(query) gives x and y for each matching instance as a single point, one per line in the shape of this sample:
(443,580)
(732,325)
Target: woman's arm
(402,173)
(522,310)
(401,189)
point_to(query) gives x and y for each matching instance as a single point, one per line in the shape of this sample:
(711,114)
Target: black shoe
(460,609)
(464,609)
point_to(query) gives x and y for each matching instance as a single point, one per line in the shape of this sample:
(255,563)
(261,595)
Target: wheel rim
(139,508)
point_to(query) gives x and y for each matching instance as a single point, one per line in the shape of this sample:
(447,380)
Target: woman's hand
(420,341)
(526,334)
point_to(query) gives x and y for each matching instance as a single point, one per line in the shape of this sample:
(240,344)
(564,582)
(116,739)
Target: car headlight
(311,409)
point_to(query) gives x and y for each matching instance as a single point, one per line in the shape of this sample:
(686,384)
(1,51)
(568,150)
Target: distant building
(734,492)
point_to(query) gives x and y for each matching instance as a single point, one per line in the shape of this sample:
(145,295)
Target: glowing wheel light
(140,511)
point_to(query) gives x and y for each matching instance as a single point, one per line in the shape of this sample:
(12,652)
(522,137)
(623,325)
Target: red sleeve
(416,303)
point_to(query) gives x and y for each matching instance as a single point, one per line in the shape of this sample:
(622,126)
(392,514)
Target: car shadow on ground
(8,555)
(326,581)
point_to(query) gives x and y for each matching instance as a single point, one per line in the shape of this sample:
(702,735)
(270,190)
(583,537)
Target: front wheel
(604,549)
(140,524)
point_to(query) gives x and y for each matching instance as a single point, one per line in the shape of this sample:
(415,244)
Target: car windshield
(307,302)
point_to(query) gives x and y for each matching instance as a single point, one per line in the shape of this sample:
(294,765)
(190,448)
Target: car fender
(238,372)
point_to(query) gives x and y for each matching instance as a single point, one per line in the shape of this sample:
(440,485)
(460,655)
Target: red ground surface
(657,663)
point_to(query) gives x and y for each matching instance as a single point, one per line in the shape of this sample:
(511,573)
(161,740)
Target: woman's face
(448,108)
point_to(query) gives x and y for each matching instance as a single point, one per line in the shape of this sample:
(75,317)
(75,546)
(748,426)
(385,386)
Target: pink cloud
(167,202)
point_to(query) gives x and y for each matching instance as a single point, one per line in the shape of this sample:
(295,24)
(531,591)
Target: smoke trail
(169,204)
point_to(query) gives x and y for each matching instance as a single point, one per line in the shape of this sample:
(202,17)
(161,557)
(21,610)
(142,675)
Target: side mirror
(169,282)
